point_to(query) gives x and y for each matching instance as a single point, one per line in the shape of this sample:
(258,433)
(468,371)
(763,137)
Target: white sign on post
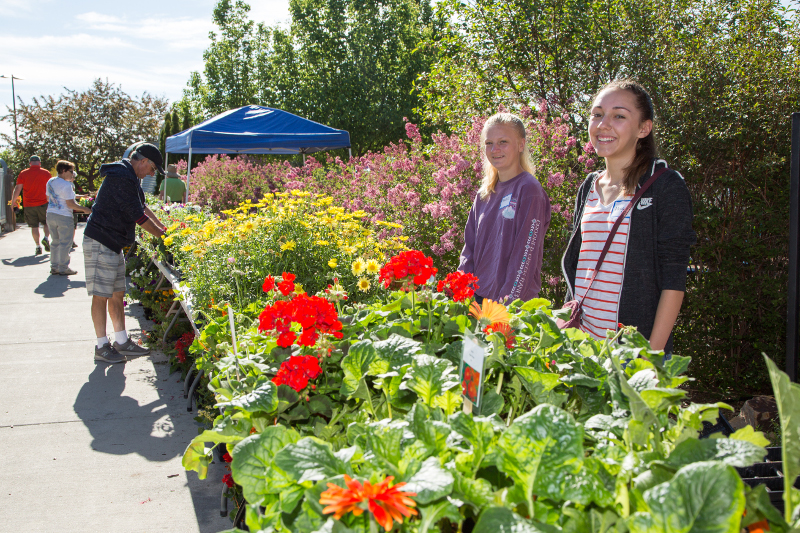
(471,370)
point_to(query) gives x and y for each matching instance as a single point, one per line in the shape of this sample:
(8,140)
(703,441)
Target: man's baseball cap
(36,159)
(152,153)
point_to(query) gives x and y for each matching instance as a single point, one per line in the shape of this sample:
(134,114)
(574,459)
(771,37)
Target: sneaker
(107,354)
(38,250)
(68,272)
(130,348)
(46,244)
(54,272)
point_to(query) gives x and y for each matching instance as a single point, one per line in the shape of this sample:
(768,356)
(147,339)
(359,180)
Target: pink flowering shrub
(223,182)
(427,188)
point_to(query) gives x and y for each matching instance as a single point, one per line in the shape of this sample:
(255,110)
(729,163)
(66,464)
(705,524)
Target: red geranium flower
(228,480)
(297,370)
(314,314)
(269,284)
(227,457)
(411,268)
(458,285)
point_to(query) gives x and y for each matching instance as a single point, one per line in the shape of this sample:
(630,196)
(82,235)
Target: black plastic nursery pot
(769,473)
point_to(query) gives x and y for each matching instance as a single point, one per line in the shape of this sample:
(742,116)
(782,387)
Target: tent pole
(304,158)
(188,174)
(350,152)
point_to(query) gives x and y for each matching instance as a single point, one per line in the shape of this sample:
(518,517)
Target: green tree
(517,53)
(176,122)
(344,63)
(229,78)
(89,128)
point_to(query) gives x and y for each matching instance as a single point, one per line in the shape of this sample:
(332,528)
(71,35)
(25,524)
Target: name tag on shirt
(505,201)
(617,209)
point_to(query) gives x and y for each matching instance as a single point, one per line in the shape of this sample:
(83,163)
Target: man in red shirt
(32,182)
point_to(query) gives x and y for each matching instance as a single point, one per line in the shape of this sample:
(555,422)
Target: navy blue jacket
(660,235)
(119,206)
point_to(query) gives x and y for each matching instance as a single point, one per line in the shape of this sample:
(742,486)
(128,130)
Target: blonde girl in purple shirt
(504,236)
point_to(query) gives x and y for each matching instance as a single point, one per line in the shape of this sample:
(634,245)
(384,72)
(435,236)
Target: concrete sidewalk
(88,447)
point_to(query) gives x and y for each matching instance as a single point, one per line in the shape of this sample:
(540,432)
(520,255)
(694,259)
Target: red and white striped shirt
(601,304)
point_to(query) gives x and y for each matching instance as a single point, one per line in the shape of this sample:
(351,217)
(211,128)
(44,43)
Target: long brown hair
(646,147)
(490,174)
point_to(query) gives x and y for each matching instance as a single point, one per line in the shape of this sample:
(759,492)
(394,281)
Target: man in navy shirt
(118,208)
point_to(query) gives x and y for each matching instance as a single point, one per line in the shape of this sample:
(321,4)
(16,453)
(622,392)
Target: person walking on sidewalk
(61,204)
(118,208)
(32,182)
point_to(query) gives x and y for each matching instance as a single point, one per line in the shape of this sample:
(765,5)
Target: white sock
(121,336)
(102,341)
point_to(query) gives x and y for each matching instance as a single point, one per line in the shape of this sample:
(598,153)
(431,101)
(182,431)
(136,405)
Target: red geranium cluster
(182,344)
(228,480)
(314,314)
(297,370)
(285,286)
(458,285)
(409,268)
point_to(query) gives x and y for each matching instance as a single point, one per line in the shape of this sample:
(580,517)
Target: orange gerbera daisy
(504,329)
(490,312)
(387,504)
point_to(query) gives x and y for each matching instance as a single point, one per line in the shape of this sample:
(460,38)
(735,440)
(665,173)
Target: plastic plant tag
(471,369)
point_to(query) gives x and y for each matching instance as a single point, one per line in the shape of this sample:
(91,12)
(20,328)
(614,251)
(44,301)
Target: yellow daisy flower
(333,262)
(289,245)
(363,284)
(322,243)
(358,266)
(168,240)
(373,267)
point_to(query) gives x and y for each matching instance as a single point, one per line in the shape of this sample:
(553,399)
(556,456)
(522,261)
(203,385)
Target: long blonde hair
(490,174)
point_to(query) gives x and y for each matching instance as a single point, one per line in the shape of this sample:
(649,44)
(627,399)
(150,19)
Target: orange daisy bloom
(504,329)
(387,504)
(490,312)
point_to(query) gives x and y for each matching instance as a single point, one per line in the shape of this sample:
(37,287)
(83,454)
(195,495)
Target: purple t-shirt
(504,239)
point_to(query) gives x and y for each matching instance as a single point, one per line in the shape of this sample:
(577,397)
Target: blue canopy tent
(256,129)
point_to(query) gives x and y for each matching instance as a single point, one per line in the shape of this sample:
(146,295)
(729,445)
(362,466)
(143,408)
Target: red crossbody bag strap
(616,225)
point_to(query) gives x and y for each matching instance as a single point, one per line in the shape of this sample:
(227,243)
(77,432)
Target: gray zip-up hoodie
(660,236)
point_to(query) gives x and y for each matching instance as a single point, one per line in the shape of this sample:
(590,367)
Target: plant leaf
(355,366)
(310,459)
(787,396)
(705,497)
(252,460)
(431,482)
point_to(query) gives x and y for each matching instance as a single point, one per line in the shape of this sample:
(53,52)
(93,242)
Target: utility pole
(14,100)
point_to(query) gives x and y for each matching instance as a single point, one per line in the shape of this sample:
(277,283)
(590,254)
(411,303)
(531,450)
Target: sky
(147,45)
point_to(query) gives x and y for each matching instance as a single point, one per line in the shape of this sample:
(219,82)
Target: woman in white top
(60,205)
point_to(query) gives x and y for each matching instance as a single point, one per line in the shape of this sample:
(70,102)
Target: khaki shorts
(35,215)
(105,269)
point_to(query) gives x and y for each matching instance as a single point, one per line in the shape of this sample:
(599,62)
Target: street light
(14,100)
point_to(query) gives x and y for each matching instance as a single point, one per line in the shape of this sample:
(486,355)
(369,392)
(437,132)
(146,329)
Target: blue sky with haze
(146,45)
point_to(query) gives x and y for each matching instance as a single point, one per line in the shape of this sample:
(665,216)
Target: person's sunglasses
(153,166)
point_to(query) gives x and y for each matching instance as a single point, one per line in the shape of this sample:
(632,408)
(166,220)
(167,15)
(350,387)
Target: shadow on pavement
(56,286)
(27,261)
(158,431)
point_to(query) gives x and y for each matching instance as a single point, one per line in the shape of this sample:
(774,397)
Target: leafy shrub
(566,435)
